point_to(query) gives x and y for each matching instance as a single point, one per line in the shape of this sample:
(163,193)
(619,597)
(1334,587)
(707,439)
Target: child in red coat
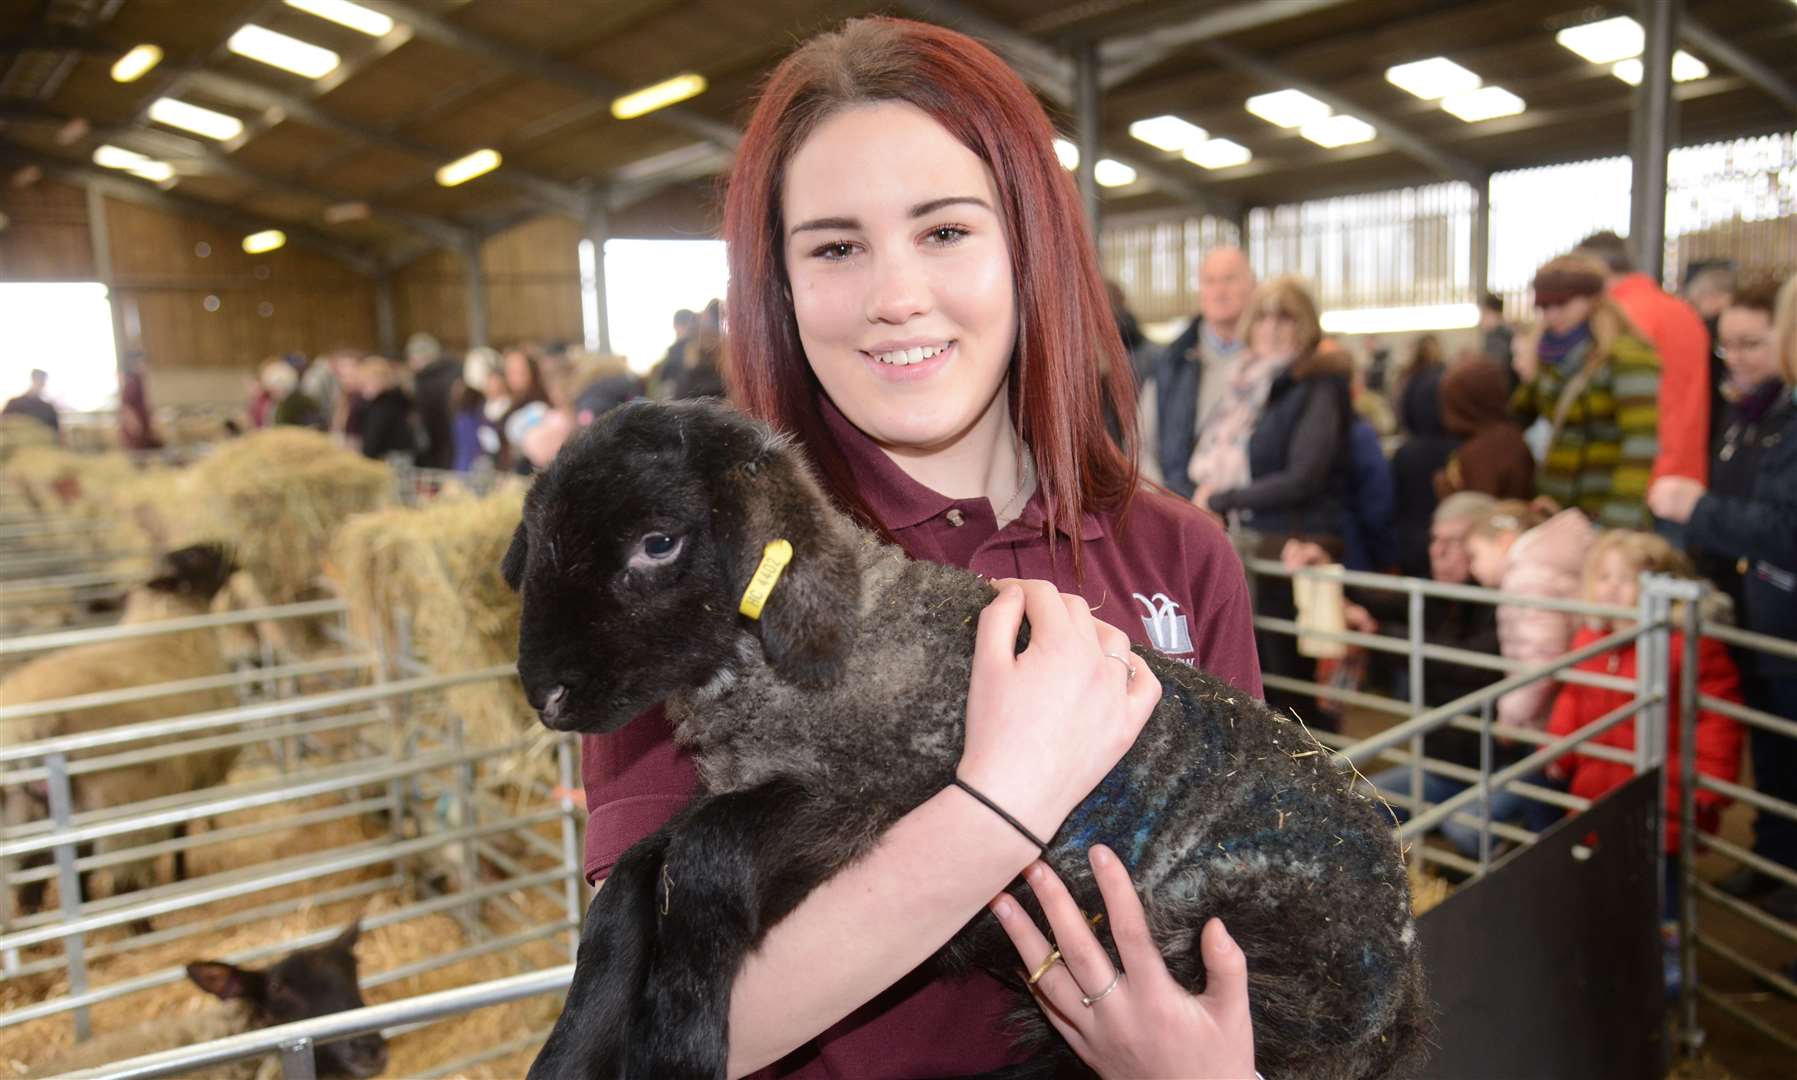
(1612,572)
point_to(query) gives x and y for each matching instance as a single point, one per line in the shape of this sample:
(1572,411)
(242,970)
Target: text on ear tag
(773,562)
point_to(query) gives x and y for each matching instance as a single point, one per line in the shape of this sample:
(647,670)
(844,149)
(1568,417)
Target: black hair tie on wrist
(1000,811)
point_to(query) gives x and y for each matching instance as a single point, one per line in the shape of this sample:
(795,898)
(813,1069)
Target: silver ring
(1088,1002)
(1128,666)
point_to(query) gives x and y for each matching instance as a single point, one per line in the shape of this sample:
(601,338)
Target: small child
(1514,550)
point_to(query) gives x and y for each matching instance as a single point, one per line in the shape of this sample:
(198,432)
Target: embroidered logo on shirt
(1166,627)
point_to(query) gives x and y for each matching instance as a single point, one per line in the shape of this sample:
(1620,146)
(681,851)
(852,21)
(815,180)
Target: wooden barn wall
(191,298)
(533,287)
(46,236)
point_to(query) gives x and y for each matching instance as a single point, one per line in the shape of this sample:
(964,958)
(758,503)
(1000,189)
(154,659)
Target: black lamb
(818,726)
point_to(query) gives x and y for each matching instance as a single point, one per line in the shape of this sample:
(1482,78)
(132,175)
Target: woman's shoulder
(1158,513)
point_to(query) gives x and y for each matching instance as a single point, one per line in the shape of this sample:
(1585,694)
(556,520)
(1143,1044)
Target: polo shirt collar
(900,501)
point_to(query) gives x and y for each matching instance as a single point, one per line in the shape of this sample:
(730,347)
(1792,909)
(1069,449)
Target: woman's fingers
(1054,986)
(1085,957)
(1042,603)
(1226,974)
(995,641)
(1129,925)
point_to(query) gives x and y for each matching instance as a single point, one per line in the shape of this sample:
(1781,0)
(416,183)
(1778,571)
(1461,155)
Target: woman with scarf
(1274,457)
(1596,382)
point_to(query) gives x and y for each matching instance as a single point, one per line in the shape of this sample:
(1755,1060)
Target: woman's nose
(898,292)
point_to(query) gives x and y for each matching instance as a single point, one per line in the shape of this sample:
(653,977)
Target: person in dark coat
(1744,527)
(1492,458)
(32,403)
(1425,451)
(137,424)
(434,377)
(387,417)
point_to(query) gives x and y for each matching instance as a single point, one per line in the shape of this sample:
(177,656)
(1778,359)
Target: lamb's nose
(552,705)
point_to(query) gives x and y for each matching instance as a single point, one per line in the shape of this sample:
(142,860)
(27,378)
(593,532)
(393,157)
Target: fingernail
(1038,870)
(1101,856)
(1002,907)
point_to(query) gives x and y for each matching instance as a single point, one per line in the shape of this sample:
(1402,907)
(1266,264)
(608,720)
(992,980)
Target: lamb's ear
(809,620)
(512,566)
(226,981)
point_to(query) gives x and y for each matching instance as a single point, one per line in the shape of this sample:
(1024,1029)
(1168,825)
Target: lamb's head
(306,983)
(635,550)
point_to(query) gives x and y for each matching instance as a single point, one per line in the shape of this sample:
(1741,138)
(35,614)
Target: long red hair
(1069,358)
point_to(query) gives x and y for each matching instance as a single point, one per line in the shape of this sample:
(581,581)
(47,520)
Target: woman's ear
(809,620)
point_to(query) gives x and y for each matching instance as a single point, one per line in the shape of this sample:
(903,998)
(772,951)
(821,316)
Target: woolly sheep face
(634,551)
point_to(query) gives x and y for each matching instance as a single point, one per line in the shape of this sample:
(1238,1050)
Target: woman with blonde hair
(1744,527)
(1596,381)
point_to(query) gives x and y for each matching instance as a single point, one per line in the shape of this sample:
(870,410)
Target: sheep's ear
(512,566)
(226,981)
(351,934)
(809,621)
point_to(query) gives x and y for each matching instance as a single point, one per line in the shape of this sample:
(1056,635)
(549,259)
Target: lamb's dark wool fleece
(820,725)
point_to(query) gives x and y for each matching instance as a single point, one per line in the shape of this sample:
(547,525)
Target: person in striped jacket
(1595,381)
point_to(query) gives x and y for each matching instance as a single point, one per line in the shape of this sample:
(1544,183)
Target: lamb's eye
(660,547)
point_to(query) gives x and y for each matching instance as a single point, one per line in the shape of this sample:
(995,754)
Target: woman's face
(517,372)
(1614,580)
(1565,317)
(901,275)
(1748,347)
(1273,333)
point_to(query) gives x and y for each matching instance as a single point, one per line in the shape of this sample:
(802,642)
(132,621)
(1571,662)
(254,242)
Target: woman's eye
(947,234)
(841,249)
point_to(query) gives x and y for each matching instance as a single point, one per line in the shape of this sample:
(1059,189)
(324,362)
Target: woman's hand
(1674,498)
(1298,554)
(1137,1022)
(1045,725)
(1525,360)
(1359,619)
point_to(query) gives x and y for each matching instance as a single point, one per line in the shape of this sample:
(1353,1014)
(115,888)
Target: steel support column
(477,293)
(1655,131)
(598,230)
(101,238)
(1480,252)
(1086,124)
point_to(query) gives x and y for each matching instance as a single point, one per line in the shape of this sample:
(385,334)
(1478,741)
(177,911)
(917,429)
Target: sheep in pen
(818,725)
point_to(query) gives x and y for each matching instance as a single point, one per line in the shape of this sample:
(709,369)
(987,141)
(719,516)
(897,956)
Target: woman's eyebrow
(922,209)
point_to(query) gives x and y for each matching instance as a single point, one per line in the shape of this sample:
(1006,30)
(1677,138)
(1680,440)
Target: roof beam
(1442,161)
(1706,40)
(118,186)
(529,62)
(1128,56)
(1052,75)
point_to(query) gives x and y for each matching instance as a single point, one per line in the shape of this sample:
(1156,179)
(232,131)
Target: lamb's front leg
(736,865)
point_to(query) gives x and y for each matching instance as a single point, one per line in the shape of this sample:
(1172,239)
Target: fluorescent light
(117,157)
(1287,108)
(1068,153)
(464,169)
(136,63)
(1434,78)
(1401,320)
(1484,103)
(344,13)
(267,240)
(1605,42)
(659,96)
(1110,173)
(213,125)
(280,51)
(1339,130)
(1218,154)
(156,172)
(1168,133)
(1685,68)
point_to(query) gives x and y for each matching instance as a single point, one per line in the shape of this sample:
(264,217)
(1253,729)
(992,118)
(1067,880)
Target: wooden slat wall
(533,288)
(191,298)
(46,239)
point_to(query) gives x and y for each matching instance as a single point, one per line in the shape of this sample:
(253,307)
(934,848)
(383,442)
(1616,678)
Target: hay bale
(1426,890)
(434,571)
(277,496)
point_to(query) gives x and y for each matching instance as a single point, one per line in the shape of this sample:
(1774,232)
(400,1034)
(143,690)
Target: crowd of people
(1627,431)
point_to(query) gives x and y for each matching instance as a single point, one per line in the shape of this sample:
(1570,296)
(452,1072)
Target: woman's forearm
(870,925)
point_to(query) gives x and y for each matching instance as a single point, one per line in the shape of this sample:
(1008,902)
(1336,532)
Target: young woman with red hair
(913,297)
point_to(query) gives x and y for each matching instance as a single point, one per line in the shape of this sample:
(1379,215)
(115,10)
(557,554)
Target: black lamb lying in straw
(819,725)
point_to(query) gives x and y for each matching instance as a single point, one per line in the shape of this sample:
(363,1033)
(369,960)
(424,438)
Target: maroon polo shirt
(1165,575)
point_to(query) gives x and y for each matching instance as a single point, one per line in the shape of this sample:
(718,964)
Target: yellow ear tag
(773,562)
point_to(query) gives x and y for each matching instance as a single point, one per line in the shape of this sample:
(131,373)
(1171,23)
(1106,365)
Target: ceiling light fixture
(1605,42)
(180,114)
(1168,133)
(1432,79)
(464,169)
(280,51)
(1485,103)
(1218,154)
(344,13)
(147,168)
(259,243)
(1110,173)
(1338,130)
(1685,68)
(136,64)
(660,96)
(1287,108)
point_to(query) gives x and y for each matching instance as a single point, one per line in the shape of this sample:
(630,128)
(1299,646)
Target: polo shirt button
(956,518)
